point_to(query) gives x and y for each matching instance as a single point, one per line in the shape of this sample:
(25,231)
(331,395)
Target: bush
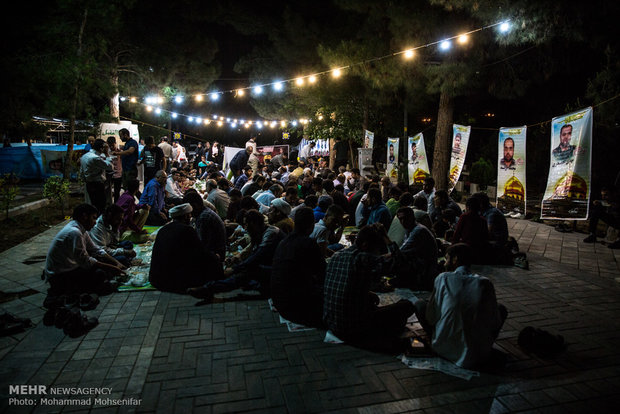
(482,173)
(8,191)
(56,189)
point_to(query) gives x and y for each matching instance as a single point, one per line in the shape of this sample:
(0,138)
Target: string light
(279,85)
(504,27)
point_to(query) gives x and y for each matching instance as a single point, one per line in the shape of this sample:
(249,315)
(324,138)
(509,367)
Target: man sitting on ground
(209,226)
(179,259)
(105,235)
(298,274)
(375,210)
(74,264)
(606,209)
(328,231)
(350,308)
(471,229)
(419,252)
(218,197)
(462,316)
(154,196)
(278,215)
(439,202)
(254,272)
(134,215)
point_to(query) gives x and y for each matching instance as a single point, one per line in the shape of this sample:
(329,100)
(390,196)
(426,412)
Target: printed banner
(369,139)
(460,139)
(511,193)
(418,163)
(391,170)
(567,195)
(265,153)
(53,161)
(109,129)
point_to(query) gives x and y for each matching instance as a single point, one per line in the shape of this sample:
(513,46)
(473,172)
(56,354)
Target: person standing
(94,165)
(116,178)
(129,157)
(253,160)
(167,150)
(342,153)
(152,158)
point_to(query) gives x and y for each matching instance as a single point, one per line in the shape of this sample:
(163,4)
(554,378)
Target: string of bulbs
(152,102)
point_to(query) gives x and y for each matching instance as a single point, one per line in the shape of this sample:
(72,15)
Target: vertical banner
(511,192)
(369,138)
(417,161)
(567,195)
(391,170)
(460,139)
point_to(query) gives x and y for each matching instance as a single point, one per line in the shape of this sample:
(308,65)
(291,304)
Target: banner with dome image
(460,139)
(391,169)
(417,161)
(511,194)
(567,195)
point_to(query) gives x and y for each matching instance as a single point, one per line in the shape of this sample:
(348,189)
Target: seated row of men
(190,254)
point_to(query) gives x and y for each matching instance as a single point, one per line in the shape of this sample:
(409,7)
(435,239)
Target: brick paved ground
(235,356)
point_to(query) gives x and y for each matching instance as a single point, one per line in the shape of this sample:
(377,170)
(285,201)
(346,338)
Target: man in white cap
(177,261)
(278,215)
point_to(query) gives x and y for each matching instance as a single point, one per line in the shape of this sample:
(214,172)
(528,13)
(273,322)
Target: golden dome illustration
(514,189)
(571,185)
(419,176)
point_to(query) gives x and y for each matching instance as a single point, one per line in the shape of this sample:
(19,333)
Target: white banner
(417,162)
(460,139)
(511,191)
(391,169)
(369,139)
(567,195)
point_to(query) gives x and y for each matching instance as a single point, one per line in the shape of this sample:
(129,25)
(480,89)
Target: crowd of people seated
(278,229)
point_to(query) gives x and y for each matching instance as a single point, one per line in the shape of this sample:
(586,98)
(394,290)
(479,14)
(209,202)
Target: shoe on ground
(590,239)
(200,292)
(78,324)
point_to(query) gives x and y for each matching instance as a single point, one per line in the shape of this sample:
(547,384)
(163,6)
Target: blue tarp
(27,162)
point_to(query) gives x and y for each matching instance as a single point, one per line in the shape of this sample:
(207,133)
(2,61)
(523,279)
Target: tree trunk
(441,153)
(114,100)
(76,89)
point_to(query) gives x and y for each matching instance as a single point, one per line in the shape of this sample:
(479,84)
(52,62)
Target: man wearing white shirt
(174,194)
(462,316)
(218,198)
(304,153)
(253,160)
(94,165)
(74,263)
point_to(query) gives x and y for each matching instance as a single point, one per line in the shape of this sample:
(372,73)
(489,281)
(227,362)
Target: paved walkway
(235,356)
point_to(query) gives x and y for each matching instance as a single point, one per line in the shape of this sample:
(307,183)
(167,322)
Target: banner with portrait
(567,195)
(460,139)
(417,162)
(391,169)
(369,139)
(511,192)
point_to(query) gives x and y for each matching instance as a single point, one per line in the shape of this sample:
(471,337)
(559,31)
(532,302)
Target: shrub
(56,189)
